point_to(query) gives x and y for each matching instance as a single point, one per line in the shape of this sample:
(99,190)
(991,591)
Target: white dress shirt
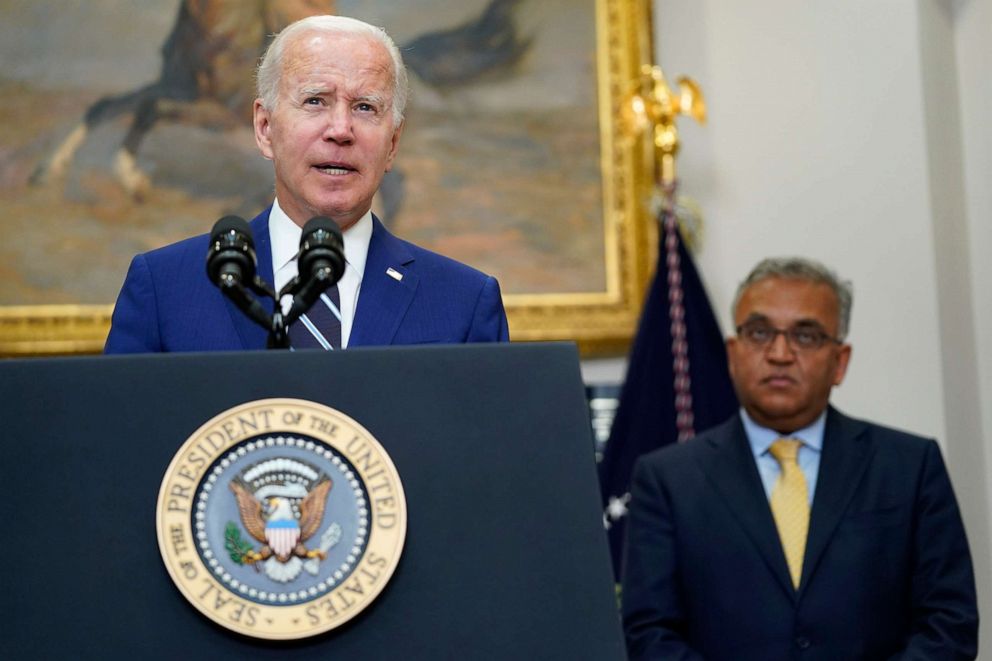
(285,237)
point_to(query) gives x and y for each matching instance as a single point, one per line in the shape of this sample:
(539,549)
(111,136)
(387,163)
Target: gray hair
(800,268)
(269,71)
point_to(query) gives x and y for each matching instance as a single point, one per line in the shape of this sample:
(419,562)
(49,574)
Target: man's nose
(780,350)
(339,126)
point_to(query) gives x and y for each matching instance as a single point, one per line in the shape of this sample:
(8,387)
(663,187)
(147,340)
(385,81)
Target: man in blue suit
(793,531)
(332,92)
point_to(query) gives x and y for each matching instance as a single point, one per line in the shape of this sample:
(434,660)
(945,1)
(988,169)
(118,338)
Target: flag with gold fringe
(677,380)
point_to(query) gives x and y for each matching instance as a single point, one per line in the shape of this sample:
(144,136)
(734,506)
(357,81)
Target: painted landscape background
(498,167)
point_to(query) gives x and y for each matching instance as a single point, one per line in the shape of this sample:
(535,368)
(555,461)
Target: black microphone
(321,251)
(231,256)
(320,265)
(231,266)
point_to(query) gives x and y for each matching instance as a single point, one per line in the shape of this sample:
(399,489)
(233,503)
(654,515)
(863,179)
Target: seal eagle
(281,534)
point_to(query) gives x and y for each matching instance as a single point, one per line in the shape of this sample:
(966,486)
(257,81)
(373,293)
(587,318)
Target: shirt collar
(760,438)
(285,237)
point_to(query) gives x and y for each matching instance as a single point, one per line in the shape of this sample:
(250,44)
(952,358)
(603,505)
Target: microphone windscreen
(231,253)
(322,223)
(321,250)
(228,224)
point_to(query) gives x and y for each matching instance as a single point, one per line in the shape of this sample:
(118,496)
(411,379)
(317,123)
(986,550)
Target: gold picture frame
(601,322)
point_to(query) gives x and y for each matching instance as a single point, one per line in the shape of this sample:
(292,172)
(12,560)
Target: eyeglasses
(804,338)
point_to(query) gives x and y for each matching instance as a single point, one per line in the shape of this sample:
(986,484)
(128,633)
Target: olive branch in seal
(235,544)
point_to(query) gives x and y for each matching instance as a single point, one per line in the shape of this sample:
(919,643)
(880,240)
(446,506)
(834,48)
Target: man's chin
(785,419)
(344,214)
(770,413)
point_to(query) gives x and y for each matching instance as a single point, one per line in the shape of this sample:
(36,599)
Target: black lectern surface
(505,556)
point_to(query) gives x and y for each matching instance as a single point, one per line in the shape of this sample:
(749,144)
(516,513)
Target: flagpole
(655,109)
(656,405)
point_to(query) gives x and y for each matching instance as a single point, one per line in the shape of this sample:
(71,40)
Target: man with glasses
(792,530)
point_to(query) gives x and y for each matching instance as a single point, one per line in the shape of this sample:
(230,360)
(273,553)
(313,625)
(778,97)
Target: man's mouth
(778,381)
(334,168)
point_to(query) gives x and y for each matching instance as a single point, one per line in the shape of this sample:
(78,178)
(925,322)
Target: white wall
(972,27)
(858,133)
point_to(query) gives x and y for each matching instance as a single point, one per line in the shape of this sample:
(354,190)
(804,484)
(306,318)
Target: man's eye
(365,107)
(312,101)
(760,333)
(805,338)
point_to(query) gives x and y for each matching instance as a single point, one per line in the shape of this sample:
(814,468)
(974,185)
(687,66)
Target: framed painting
(514,158)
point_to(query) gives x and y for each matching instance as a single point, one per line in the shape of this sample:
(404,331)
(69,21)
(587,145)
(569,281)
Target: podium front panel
(505,554)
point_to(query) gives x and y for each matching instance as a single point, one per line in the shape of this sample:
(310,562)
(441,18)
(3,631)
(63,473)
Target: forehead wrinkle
(375,81)
(355,89)
(316,61)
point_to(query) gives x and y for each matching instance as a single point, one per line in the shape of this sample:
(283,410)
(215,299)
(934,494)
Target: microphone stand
(277,325)
(242,297)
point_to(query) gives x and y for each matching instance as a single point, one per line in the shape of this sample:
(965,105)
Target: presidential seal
(281,519)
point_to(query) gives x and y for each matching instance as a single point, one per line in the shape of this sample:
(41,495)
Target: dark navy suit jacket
(887,572)
(168,303)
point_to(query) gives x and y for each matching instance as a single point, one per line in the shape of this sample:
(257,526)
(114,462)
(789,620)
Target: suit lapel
(250,334)
(726,458)
(846,454)
(387,289)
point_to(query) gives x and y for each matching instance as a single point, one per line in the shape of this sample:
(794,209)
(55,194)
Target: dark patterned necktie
(320,327)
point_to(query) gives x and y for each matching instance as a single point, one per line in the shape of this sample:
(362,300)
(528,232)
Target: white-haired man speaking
(329,115)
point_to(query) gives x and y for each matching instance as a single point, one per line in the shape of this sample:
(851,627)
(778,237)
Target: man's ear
(731,355)
(261,119)
(394,145)
(843,358)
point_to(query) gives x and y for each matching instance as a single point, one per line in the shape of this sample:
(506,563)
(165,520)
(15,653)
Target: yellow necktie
(790,505)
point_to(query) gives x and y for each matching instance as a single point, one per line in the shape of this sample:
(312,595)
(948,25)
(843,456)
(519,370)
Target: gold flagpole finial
(654,108)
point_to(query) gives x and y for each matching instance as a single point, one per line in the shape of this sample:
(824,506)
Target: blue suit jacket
(887,572)
(168,303)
